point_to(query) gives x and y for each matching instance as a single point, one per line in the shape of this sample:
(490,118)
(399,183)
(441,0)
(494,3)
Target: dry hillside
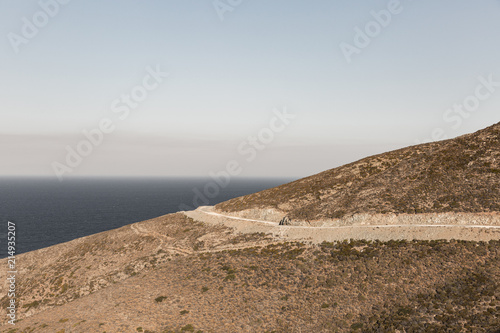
(177,273)
(457,175)
(173,274)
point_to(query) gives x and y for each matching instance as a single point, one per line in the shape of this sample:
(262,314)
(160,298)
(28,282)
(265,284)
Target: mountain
(201,271)
(456,175)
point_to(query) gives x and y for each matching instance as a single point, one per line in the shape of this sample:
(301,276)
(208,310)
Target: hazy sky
(69,66)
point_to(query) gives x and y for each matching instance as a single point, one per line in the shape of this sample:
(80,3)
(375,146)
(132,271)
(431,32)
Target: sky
(283,88)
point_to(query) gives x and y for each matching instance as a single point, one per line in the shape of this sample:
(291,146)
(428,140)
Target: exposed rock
(285,221)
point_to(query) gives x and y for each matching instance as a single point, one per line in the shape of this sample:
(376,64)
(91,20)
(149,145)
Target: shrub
(356,326)
(188,328)
(230,277)
(160,299)
(31,305)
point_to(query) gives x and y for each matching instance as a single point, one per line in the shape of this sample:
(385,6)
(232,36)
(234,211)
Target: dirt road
(335,233)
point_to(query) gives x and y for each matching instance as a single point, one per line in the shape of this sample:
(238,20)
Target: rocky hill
(173,274)
(190,272)
(457,175)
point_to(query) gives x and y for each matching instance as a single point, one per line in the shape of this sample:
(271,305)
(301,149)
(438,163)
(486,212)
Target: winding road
(207,210)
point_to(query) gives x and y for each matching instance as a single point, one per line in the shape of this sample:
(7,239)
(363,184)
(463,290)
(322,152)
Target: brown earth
(175,274)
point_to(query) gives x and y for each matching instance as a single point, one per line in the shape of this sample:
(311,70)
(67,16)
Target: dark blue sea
(47,212)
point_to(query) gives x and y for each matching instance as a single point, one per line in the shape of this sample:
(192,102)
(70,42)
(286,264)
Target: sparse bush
(230,277)
(33,304)
(356,326)
(187,328)
(160,299)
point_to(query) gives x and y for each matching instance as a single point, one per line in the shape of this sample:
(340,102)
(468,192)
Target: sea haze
(48,212)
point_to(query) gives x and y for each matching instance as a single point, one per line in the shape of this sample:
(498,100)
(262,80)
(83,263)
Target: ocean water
(48,212)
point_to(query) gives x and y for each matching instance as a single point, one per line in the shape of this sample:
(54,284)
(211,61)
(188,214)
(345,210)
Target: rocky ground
(177,274)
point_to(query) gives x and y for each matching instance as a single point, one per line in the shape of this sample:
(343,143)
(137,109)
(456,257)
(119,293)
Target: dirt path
(335,233)
(141,230)
(144,232)
(207,210)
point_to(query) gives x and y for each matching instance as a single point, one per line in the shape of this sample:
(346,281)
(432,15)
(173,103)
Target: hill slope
(179,274)
(173,274)
(457,175)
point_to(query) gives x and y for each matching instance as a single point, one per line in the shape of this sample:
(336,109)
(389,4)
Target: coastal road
(207,210)
(382,232)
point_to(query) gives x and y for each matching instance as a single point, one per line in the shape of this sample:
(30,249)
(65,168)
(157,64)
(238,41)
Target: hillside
(457,175)
(173,274)
(202,271)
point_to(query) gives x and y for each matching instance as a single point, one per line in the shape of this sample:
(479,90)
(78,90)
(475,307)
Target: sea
(45,211)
